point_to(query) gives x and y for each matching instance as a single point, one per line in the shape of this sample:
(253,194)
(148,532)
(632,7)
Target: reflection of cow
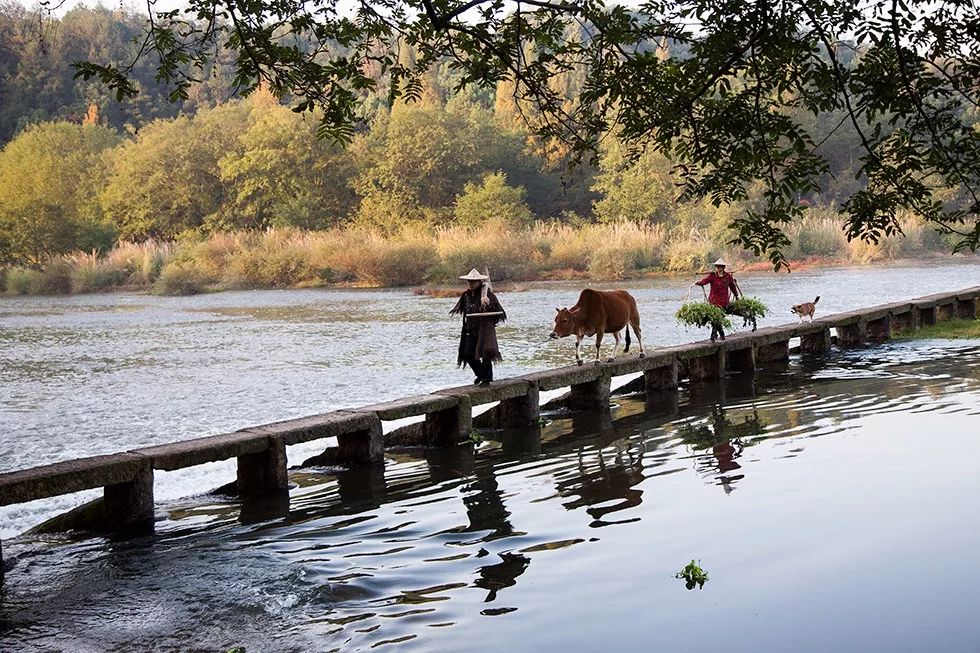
(598,312)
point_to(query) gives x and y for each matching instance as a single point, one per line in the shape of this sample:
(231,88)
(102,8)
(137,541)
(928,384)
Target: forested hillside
(81,171)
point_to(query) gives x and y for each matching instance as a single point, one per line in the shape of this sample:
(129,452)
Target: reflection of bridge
(127,478)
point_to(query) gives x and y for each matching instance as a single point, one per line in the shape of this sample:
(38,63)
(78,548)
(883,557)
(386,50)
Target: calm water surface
(833,506)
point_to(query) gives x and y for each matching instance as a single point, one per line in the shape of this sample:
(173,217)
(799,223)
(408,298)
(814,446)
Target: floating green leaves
(693,575)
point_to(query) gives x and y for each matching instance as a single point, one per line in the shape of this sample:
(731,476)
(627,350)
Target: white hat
(720,262)
(474,276)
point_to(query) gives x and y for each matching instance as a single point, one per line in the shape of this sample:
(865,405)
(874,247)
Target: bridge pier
(364,447)
(446,428)
(741,360)
(815,344)
(129,505)
(946,311)
(521,411)
(661,378)
(905,321)
(773,352)
(967,308)
(852,335)
(878,330)
(590,394)
(263,472)
(706,368)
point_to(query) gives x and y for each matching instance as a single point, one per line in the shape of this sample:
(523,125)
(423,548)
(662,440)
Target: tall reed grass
(288,258)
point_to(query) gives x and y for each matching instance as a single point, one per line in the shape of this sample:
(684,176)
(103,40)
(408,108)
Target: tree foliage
(492,200)
(718,87)
(50,178)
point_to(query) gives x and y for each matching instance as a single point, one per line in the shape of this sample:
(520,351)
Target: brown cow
(598,312)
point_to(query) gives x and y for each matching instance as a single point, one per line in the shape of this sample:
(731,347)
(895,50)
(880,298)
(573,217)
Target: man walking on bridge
(723,286)
(478,341)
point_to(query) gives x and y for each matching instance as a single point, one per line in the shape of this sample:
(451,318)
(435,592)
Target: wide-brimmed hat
(721,262)
(474,276)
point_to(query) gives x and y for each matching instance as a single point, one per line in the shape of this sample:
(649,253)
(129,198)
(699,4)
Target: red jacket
(720,285)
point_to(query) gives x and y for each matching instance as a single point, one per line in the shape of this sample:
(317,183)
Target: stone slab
(496,391)
(409,406)
(563,377)
(937,299)
(633,364)
(898,308)
(198,451)
(315,427)
(70,476)
(694,350)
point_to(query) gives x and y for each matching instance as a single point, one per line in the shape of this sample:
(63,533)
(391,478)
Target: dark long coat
(478,337)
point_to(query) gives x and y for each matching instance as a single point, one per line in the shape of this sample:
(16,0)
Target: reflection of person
(723,286)
(478,339)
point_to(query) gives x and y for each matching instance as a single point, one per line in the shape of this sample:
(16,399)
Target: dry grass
(287,258)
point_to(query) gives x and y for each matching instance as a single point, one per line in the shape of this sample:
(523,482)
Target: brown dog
(806,309)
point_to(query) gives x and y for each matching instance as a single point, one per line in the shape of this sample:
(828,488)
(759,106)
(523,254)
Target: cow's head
(563,324)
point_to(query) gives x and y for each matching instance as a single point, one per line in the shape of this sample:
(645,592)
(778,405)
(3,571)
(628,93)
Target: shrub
(56,278)
(142,261)
(89,273)
(182,278)
(821,237)
(22,281)
(686,254)
(508,254)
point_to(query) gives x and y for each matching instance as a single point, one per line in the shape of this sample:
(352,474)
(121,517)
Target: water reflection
(578,527)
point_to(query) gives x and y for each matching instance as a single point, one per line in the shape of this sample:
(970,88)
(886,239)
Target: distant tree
(168,179)
(425,155)
(281,174)
(50,177)
(634,189)
(492,200)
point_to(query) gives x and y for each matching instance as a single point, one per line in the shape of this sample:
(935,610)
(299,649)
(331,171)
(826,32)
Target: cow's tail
(627,339)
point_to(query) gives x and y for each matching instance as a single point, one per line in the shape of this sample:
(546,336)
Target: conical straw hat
(474,276)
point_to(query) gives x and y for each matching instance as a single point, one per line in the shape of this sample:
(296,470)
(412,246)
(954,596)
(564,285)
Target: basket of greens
(702,314)
(749,309)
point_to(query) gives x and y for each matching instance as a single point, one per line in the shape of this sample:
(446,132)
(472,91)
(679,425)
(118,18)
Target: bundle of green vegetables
(749,308)
(702,314)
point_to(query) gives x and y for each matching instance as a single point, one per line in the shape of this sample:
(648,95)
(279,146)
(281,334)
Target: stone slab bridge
(127,477)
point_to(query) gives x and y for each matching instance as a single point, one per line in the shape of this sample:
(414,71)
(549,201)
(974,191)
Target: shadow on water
(605,504)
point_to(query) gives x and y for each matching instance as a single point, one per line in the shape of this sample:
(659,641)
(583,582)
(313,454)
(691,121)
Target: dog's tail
(816,300)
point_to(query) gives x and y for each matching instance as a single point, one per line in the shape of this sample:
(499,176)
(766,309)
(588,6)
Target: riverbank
(353,257)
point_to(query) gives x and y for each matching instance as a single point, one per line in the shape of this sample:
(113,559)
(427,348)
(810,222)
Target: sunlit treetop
(719,86)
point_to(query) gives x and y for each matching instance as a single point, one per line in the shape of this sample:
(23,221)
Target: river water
(831,505)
